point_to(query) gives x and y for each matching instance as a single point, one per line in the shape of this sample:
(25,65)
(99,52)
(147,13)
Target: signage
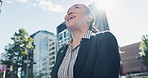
(3,68)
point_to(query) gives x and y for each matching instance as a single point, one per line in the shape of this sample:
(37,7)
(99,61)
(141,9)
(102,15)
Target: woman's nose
(69,13)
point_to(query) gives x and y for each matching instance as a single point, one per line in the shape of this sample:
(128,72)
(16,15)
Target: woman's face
(76,16)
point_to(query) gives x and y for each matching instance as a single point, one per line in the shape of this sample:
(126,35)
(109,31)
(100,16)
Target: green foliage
(141,77)
(144,50)
(17,51)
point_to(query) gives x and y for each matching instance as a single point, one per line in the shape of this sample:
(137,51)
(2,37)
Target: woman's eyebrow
(68,10)
(71,7)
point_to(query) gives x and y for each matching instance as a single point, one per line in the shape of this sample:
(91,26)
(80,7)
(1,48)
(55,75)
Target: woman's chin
(69,25)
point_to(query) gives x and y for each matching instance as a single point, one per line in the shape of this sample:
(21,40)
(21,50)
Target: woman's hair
(91,27)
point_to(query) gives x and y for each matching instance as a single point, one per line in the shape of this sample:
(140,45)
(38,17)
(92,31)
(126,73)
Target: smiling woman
(76,17)
(88,54)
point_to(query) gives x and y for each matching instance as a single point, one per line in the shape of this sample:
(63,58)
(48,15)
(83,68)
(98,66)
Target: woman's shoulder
(104,35)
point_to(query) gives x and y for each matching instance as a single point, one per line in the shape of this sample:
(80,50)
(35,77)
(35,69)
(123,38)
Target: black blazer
(98,57)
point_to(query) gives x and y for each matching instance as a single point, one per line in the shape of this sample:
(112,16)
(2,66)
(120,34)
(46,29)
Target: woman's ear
(89,19)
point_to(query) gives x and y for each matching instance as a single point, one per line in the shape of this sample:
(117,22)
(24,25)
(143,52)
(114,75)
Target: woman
(87,54)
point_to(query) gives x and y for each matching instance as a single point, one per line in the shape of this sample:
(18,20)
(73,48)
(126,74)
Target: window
(51,44)
(52,48)
(43,64)
(51,63)
(52,53)
(43,45)
(67,34)
(60,36)
(64,34)
(65,39)
(50,68)
(50,40)
(52,58)
(61,42)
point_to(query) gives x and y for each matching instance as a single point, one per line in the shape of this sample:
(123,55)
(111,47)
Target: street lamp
(0,5)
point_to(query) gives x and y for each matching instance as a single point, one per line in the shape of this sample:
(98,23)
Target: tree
(144,50)
(17,52)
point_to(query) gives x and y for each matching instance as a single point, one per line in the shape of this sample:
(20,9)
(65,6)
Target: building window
(44,64)
(52,58)
(64,34)
(50,40)
(52,53)
(65,40)
(61,42)
(60,36)
(51,63)
(43,45)
(51,44)
(52,48)
(50,68)
(67,34)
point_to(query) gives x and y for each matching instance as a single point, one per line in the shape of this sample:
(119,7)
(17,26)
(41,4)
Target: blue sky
(128,19)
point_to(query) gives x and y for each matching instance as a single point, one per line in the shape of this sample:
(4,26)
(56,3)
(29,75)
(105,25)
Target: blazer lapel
(82,54)
(60,56)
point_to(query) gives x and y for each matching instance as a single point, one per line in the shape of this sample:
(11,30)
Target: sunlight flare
(105,4)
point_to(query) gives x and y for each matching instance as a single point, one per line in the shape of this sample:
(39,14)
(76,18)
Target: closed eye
(76,7)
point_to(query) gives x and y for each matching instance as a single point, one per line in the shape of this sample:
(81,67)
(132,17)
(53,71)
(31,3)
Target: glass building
(63,35)
(44,53)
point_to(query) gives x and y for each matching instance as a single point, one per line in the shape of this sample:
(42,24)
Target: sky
(128,19)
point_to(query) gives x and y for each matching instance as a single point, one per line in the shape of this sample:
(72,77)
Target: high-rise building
(2,57)
(63,34)
(44,53)
(101,22)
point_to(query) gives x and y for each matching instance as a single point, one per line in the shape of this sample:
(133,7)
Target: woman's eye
(76,7)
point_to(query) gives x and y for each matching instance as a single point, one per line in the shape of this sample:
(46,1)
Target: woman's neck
(77,36)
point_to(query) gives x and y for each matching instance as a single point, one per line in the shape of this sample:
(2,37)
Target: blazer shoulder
(105,34)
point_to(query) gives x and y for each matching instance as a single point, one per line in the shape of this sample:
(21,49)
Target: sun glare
(105,4)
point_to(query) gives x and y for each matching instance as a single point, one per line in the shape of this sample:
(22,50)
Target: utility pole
(4,69)
(27,65)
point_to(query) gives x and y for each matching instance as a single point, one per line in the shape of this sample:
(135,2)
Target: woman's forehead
(77,5)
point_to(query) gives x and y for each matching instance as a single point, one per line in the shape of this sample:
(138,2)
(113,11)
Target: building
(101,22)
(130,61)
(2,57)
(63,34)
(44,53)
